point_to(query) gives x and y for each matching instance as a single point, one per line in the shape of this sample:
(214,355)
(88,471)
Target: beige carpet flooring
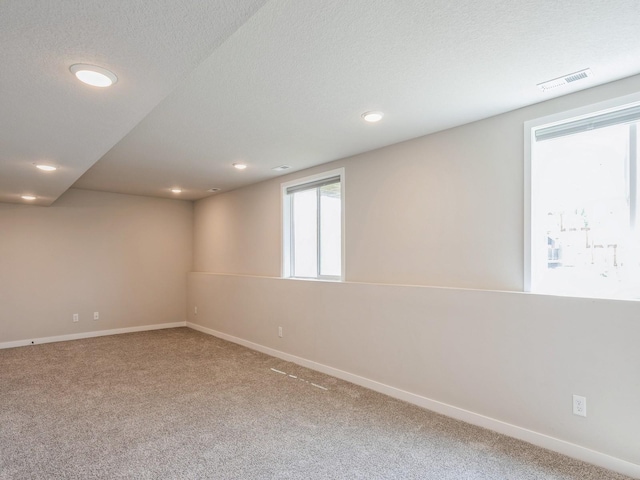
(178,404)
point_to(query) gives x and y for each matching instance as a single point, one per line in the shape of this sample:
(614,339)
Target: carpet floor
(178,404)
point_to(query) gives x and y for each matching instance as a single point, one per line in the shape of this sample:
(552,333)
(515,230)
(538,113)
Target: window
(313,221)
(584,230)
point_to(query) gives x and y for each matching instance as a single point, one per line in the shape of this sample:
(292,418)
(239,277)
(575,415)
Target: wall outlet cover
(580,405)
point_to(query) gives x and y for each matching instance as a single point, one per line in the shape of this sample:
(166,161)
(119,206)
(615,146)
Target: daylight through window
(584,206)
(312,246)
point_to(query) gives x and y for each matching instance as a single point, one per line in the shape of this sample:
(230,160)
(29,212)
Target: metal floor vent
(565,80)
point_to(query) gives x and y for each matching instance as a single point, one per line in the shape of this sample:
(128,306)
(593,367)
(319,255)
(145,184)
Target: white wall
(125,256)
(441,210)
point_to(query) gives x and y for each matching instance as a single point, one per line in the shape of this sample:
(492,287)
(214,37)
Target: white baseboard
(99,333)
(566,448)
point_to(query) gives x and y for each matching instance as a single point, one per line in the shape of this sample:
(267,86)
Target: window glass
(330,230)
(313,227)
(584,240)
(305,233)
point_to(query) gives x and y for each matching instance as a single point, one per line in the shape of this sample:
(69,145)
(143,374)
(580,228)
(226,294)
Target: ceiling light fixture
(239,166)
(214,190)
(372,117)
(46,168)
(93,75)
(29,197)
(281,168)
(176,190)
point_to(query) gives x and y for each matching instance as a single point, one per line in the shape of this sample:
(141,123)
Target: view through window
(584,207)
(313,228)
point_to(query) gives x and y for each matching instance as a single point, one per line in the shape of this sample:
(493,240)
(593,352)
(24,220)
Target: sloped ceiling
(204,84)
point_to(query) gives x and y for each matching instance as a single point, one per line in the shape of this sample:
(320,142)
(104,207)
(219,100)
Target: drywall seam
(99,333)
(541,440)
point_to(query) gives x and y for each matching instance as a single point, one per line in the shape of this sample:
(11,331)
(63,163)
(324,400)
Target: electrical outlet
(579,405)
(280,332)
(96,316)
(76,317)
(195,310)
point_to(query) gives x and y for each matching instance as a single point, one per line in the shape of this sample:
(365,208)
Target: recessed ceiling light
(239,166)
(281,168)
(176,190)
(46,168)
(372,117)
(93,75)
(29,197)
(214,190)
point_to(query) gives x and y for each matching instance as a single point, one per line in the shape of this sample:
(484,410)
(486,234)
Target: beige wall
(124,256)
(445,209)
(441,210)
(239,232)
(513,357)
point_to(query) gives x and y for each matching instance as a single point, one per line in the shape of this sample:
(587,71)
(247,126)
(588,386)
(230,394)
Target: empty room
(329,239)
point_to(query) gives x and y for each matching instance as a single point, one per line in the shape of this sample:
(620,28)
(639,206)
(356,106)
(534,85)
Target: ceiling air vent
(281,168)
(565,80)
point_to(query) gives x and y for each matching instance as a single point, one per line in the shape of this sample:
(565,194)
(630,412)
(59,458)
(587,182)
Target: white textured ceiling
(281,84)
(46,115)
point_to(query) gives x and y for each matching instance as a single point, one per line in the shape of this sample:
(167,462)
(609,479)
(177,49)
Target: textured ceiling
(46,115)
(205,84)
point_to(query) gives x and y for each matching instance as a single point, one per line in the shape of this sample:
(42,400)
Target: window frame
(286,225)
(531,259)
